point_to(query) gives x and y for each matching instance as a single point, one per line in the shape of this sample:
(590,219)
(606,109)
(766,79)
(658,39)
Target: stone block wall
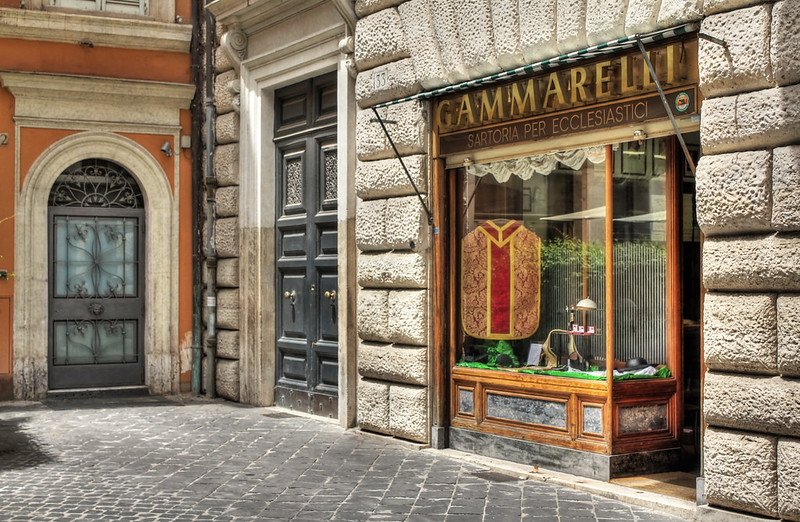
(393,239)
(748,206)
(747,199)
(401,48)
(226,233)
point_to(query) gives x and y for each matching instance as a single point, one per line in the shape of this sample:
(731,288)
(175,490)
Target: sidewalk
(156,458)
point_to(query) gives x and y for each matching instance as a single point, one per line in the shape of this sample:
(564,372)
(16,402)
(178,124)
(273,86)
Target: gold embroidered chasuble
(500,281)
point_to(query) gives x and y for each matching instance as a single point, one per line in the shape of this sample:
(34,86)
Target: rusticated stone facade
(747,199)
(227,237)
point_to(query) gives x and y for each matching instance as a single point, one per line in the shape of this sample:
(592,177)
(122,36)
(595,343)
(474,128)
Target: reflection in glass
(640,254)
(561,198)
(94,342)
(95,257)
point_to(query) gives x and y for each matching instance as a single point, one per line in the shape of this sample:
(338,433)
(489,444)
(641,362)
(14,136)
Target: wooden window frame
(608,394)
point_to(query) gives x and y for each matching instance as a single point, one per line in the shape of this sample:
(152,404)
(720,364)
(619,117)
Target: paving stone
(171,459)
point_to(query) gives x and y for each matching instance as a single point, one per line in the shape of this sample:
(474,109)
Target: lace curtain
(543,164)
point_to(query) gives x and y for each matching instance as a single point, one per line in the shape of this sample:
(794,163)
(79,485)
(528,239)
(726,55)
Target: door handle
(330,295)
(290,296)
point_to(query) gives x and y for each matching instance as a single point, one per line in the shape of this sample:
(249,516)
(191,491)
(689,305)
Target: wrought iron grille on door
(96,299)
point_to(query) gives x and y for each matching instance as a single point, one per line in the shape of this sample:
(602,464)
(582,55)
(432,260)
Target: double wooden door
(307,369)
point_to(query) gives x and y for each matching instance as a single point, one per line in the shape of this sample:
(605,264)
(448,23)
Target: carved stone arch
(31,258)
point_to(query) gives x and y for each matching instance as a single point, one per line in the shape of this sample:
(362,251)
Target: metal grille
(640,301)
(294,181)
(96,183)
(102,341)
(331,172)
(95,257)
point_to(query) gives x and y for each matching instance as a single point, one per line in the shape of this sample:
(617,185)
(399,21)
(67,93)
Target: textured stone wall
(226,168)
(748,185)
(401,48)
(747,197)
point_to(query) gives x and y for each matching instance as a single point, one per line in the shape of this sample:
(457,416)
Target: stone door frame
(161,246)
(309,56)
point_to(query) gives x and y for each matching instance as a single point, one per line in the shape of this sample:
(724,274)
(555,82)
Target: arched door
(96,269)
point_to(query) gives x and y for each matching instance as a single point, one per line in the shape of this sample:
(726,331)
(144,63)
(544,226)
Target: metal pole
(197,199)
(402,164)
(211,209)
(666,105)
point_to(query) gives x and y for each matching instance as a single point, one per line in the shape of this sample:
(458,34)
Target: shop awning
(595,51)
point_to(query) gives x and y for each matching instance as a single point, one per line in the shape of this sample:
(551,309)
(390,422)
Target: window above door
(134,7)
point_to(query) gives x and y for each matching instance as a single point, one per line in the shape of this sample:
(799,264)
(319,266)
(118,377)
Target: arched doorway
(96,277)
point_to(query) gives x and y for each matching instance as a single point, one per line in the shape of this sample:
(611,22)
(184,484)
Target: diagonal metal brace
(402,164)
(713,39)
(666,105)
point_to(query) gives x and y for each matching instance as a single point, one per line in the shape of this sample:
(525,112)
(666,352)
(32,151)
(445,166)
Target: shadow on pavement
(19,449)
(105,403)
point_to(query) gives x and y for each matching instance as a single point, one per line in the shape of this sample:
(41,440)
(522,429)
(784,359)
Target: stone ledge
(741,471)
(751,121)
(740,333)
(752,264)
(103,31)
(744,63)
(753,403)
(733,193)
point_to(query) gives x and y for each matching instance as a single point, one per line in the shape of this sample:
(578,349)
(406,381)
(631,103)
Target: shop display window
(534,245)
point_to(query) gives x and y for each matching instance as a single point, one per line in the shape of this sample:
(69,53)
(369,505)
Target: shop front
(568,252)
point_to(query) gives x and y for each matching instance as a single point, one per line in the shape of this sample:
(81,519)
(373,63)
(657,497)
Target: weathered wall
(747,204)
(747,201)
(226,230)
(402,48)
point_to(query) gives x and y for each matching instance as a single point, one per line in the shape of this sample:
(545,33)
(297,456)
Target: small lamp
(586,305)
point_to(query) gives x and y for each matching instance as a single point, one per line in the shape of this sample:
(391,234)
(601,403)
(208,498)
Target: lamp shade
(586,304)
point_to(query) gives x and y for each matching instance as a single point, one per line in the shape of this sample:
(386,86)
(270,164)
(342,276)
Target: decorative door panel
(328,308)
(96,255)
(306,240)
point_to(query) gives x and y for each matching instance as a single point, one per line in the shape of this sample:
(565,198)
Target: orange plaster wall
(34,142)
(66,58)
(7,201)
(185,253)
(183,8)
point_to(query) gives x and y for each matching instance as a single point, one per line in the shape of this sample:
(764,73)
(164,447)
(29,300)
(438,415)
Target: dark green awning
(595,51)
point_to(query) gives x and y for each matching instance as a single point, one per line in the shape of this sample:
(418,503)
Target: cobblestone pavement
(154,458)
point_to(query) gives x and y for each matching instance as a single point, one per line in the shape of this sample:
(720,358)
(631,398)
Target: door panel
(292,305)
(306,241)
(96,301)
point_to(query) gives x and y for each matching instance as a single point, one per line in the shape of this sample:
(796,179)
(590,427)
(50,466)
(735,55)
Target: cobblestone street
(153,458)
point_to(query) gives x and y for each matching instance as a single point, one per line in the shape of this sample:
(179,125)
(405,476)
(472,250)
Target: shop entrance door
(306,362)
(96,302)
